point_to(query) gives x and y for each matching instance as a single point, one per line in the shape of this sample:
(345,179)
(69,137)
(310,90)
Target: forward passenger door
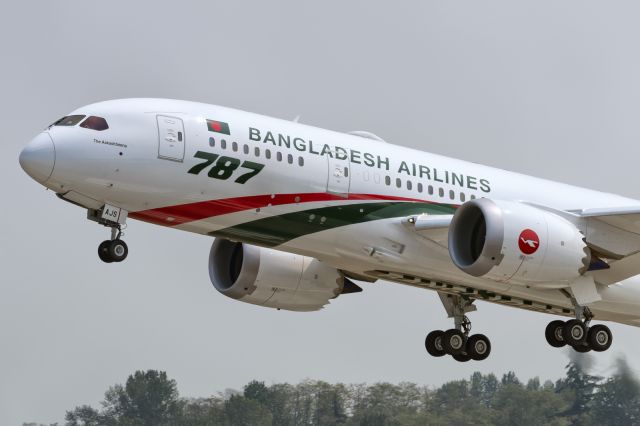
(171,138)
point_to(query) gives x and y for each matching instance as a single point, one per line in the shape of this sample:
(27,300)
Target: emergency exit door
(339,176)
(171,138)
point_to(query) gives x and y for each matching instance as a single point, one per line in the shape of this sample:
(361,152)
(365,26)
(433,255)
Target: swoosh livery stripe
(276,230)
(184,213)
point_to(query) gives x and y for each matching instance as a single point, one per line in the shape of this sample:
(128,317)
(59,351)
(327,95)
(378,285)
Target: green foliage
(147,399)
(202,412)
(243,411)
(618,400)
(514,404)
(150,398)
(581,388)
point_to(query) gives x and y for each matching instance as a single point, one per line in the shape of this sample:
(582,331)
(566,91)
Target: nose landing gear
(114,249)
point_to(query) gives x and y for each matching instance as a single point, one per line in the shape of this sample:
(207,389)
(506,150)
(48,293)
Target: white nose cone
(38,157)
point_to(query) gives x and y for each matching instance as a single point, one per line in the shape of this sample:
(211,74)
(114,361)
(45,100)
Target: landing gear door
(339,176)
(171,138)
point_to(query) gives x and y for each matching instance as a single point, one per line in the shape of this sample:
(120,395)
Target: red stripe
(183,213)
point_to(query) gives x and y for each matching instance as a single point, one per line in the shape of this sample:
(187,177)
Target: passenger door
(171,138)
(339,176)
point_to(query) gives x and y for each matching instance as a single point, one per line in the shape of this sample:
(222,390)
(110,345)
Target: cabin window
(279,156)
(452,194)
(462,197)
(256,152)
(234,146)
(409,185)
(430,189)
(441,192)
(300,161)
(245,149)
(267,153)
(473,197)
(95,123)
(420,188)
(387,180)
(223,144)
(212,142)
(398,182)
(290,159)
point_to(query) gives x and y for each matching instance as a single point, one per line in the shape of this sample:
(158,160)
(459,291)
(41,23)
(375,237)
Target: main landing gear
(578,334)
(113,250)
(456,341)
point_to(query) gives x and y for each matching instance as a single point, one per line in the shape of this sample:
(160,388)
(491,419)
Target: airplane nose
(38,157)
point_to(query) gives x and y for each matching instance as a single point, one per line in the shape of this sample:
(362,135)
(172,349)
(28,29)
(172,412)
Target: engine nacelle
(273,278)
(510,241)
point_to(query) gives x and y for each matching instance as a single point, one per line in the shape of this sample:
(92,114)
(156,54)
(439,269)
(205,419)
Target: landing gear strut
(578,334)
(456,341)
(114,249)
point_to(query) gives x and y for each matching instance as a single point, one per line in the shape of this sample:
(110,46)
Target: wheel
(478,347)
(599,338)
(453,342)
(118,250)
(581,348)
(462,357)
(553,333)
(574,332)
(433,343)
(103,252)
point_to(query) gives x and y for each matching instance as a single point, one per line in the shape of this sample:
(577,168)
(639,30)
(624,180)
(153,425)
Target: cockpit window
(69,120)
(95,123)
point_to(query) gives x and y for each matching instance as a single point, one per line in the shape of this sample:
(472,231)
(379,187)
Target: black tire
(599,338)
(574,332)
(453,342)
(462,357)
(581,348)
(554,332)
(118,250)
(103,251)
(478,347)
(433,343)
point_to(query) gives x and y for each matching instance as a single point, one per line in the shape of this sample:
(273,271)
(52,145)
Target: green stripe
(276,230)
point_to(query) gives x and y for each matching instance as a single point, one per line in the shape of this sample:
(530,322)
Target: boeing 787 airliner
(298,213)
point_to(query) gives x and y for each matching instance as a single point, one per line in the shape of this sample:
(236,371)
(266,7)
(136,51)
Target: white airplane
(299,212)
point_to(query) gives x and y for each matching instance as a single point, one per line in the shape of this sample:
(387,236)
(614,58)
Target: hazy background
(547,88)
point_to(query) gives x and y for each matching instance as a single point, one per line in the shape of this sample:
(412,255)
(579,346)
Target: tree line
(150,398)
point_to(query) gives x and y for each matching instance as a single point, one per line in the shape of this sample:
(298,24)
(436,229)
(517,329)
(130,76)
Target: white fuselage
(307,191)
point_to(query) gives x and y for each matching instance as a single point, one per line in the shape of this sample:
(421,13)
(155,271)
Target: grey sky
(546,88)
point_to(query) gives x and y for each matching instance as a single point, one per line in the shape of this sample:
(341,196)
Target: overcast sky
(541,87)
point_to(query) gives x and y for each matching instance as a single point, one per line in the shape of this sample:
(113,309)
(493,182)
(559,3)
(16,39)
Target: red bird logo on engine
(528,242)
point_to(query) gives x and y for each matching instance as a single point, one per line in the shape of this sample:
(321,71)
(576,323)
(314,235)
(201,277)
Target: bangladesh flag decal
(218,127)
